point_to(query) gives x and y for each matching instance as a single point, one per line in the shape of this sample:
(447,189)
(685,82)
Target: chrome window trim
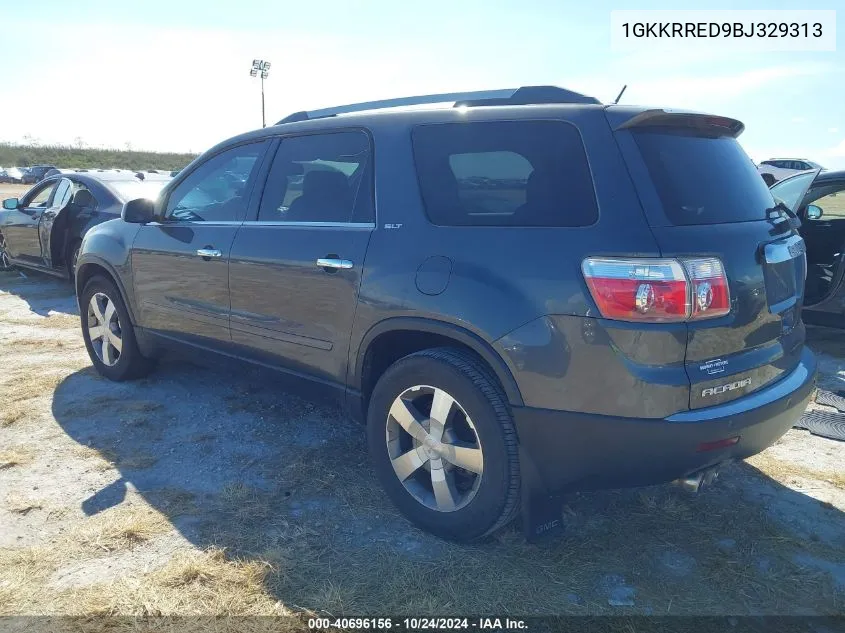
(196,222)
(348,225)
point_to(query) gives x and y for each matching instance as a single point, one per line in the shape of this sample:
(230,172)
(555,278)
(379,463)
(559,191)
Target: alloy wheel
(5,262)
(104,329)
(434,448)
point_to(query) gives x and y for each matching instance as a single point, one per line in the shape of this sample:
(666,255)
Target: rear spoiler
(707,123)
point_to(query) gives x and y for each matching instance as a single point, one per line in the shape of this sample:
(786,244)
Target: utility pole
(260,68)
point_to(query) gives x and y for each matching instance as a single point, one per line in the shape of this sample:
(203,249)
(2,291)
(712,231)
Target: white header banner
(758,31)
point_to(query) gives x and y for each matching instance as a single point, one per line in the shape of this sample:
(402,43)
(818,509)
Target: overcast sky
(144,73)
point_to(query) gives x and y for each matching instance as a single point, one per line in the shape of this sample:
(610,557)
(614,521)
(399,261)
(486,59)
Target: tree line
(65,156)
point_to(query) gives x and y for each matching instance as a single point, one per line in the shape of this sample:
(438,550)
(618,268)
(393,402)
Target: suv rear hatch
(703,197)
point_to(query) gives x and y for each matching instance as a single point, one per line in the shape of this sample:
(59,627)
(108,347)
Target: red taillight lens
(657,290)
(709,288)
(638,289)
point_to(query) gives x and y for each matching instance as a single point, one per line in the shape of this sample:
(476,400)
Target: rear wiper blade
(774,213)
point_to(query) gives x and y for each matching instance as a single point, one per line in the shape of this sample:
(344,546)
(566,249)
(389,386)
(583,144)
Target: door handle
(209,252)
(336,264)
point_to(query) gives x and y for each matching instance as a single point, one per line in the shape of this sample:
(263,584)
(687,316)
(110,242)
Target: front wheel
(5,262)
(108,333)
(443,444)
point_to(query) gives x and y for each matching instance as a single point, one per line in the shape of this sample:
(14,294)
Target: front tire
(108,333)
(5,262)
(443,444)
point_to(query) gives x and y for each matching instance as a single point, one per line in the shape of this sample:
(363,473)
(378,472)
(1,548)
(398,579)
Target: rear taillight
(657,290)
(708,288)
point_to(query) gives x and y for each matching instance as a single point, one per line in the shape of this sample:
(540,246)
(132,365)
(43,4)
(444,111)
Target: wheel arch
(90,267)
(423,333)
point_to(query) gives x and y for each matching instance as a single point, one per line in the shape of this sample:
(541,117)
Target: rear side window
(703,180)
(504,173)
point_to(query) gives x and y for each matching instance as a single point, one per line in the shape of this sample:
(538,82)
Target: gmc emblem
(712,391)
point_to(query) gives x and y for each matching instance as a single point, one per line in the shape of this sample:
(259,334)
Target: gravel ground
(199,491)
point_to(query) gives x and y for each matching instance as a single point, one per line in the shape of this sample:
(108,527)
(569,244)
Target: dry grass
(22,505)
(786,471)
(173,501)
(120,528)
(102,459)
(105,458)
(22,384)
(191,583)
(113,405)
(17,456)
(137,461)
(11,413)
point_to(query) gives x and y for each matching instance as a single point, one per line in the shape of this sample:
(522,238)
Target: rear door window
(703,179)
(504,173)
(320,178)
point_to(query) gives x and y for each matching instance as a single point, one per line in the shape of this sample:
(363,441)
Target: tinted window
(217,190)
(132,189)
(319,178)
(504,173)
(703,180)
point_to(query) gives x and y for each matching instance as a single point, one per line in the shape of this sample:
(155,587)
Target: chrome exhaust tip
(692,483)
(695,482)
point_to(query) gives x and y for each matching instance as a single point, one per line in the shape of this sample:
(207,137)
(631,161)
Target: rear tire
(72,256)
(108,333)
(481,496)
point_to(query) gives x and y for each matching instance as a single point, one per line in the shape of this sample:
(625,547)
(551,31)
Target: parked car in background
(776,169)
(55,171)
(447,275)
(11,175)
(44,228)
(36,173)
(817,198)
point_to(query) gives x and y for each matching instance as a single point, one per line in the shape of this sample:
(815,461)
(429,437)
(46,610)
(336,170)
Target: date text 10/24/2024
(418,624)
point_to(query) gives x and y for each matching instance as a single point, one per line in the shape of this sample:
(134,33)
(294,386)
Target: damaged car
(816,199)
(44,229)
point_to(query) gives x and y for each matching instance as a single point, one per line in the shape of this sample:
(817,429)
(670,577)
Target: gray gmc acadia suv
(526,294)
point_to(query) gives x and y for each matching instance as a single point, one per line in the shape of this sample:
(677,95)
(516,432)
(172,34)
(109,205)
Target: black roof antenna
(619,96)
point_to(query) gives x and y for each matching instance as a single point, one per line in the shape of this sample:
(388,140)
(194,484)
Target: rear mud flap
(541,511)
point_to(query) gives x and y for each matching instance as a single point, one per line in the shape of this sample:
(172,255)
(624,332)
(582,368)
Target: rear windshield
(132,189)
(703,180)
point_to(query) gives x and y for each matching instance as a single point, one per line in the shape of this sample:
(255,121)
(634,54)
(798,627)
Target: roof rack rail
(509,96)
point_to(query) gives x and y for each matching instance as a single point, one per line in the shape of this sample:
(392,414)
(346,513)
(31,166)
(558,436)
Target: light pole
(260,68)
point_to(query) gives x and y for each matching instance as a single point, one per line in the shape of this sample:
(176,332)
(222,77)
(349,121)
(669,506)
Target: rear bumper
(575,451)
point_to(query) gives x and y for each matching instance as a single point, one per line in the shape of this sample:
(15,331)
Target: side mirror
(138,211)
(813,212)
(10,204)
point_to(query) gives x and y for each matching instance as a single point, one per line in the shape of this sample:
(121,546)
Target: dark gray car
(43,229)
(818,199)
(528,294)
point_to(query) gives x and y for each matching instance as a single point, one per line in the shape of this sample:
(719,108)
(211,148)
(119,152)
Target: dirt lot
(197,491)
(13,191)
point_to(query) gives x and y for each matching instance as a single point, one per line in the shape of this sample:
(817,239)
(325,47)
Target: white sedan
(776,169)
